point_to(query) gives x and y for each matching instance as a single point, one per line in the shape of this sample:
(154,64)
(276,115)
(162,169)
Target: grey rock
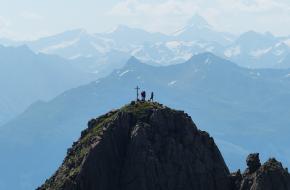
(147,147)
(269,176)
(253,163)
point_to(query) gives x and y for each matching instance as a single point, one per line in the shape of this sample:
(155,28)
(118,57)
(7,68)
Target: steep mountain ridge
(26,77)
(197,28)
(148,146)
(205,87)
(142,146)
(258,50)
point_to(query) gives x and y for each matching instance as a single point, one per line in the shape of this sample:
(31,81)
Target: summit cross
(137,89)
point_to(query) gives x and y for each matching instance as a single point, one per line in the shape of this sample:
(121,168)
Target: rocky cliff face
(142,146)
(269,176)
(147,146)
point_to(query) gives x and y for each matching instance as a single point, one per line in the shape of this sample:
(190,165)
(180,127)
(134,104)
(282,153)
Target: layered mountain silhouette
(256,50)
(250,49)
(26,77)
(148,146)
(245,110)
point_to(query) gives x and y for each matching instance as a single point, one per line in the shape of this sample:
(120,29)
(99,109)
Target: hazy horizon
(32,19)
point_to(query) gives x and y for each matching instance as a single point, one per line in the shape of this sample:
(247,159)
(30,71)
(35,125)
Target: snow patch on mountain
(173,44)
(124,73)
(255,74)
(287,42)
(233,51)
(172,83)
(75,56)
(60,45)
(100,48)
(260,52)
(176,44)
(207,61)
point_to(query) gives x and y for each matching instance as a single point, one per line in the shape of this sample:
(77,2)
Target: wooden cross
(137,89)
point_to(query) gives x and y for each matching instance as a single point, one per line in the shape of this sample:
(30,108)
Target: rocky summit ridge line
(148,146)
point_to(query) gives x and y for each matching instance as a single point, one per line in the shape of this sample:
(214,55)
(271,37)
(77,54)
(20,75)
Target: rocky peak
(148,146)
(195,23)
(142,146)
(269,176)
(253,163)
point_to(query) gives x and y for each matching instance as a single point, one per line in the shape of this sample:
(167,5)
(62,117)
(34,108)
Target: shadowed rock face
(147,146)
(253,163)
(143,146)
(269,176)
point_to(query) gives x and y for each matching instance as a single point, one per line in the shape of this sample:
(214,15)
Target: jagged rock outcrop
(269,176)
(253,163)
(143,146)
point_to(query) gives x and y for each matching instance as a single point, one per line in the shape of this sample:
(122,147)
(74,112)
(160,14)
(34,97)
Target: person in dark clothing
(143,95)
(152,97)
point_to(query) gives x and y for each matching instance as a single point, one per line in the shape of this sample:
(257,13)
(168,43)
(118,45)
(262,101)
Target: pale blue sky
(28,19)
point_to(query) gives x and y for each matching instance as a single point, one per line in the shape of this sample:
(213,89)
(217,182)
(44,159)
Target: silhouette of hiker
(143,95)
(152,97)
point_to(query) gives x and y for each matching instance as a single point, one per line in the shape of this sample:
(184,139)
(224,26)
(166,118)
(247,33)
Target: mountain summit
(197,28)
(194,23)
(146,146)
(142,146)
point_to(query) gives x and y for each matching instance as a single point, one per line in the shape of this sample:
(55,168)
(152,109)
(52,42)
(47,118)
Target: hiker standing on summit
(151,97)
(143,95)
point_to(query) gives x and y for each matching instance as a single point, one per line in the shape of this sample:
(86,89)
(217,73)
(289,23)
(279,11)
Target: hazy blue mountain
(250,49)
(286,40)
(198,29)
(173,52)
(245,110)
(101,66)
(156,48)
(26,77)
(71,44)
(257,50)
(126,37)
(78,43)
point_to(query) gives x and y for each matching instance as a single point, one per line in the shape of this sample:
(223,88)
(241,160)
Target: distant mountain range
(251,49)
(245,110)
(26,77)
(259,51)
(47,94)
